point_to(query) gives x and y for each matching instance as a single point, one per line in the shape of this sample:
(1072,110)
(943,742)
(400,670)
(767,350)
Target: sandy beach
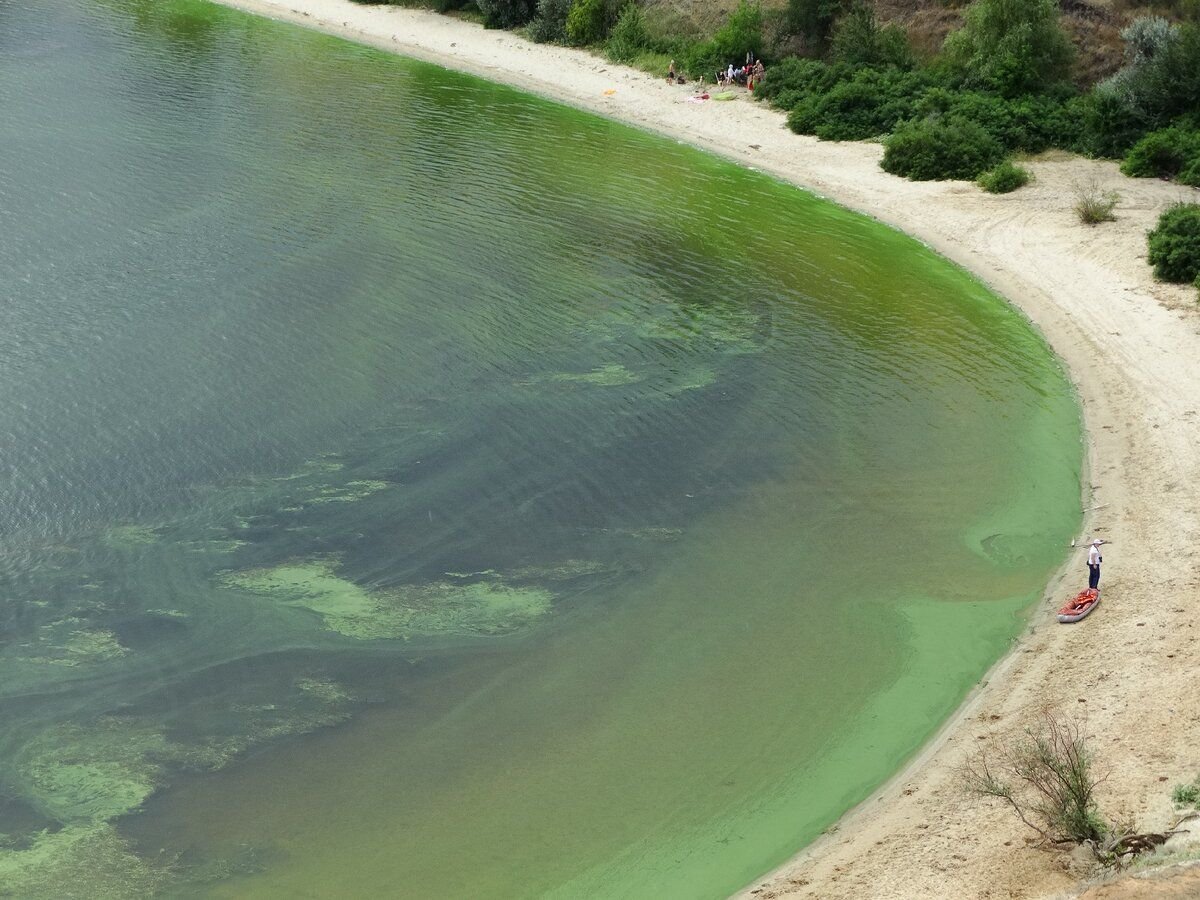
(1131,347)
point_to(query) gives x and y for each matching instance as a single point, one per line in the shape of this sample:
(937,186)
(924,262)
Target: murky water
(414,488)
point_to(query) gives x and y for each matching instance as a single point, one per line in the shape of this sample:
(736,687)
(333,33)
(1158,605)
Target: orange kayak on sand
(1085,601)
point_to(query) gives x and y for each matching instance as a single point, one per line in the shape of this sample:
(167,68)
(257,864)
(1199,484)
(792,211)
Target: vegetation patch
(1047,777)
(1167,153)
(1175,244)
(940,149)
(1004,179)
(1094,205)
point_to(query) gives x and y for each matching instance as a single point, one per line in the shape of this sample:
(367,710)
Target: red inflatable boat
(1084,602)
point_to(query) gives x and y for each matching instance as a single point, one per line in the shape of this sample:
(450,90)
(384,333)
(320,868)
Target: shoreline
(1129,346)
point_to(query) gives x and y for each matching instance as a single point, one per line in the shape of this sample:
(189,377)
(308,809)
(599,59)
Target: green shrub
(869,104)
(859,41)
(628,37)
(1111,123)
(1190,175)
(1045,777)
(1175,244)
(506,13)
(794,79)
(940,148)
(589,21)
(1011,46)
(1031,124)
(1186,794)
(1004,179)
(550,24)
(1163,154)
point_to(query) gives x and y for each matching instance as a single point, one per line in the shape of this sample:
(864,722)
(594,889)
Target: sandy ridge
(1132,348)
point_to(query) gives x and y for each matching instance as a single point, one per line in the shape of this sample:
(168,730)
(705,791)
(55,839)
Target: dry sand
(1133,350)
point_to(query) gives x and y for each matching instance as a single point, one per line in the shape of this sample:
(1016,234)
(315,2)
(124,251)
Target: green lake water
(414,488)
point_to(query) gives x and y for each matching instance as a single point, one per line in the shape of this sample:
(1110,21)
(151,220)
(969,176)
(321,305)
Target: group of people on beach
(748,75)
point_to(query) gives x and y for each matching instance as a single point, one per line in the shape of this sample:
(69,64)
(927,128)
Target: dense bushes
(1031,123)
(1175,244)
(1012,47)
(1003,179)
(1165,154)
(870,103)
(794,79)
(628,37)
(587,21)
(940,148)
(506,13)
(550,24)
(1159,85)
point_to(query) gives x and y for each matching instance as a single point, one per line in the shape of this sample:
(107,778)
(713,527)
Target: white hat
(1097,542)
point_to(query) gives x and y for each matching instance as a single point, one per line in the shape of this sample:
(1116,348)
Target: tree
(859,40)
(1013,47)
(813,20)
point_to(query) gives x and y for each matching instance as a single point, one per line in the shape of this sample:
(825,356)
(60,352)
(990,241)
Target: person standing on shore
(1094,560)
(671,73)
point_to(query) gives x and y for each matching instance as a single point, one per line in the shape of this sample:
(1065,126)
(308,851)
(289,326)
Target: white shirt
(1093,556)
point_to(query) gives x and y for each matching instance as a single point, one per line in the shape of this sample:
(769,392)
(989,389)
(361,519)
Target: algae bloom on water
(436,608)
(408,497)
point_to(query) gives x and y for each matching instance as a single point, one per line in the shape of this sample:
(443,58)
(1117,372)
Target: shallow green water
(412,487)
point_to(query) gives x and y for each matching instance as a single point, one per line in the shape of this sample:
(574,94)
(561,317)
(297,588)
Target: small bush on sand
(1163,154)
(1186,794)
(1175,244)
(1045,776)
(1094,205)
(940,148)
(1004,179)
